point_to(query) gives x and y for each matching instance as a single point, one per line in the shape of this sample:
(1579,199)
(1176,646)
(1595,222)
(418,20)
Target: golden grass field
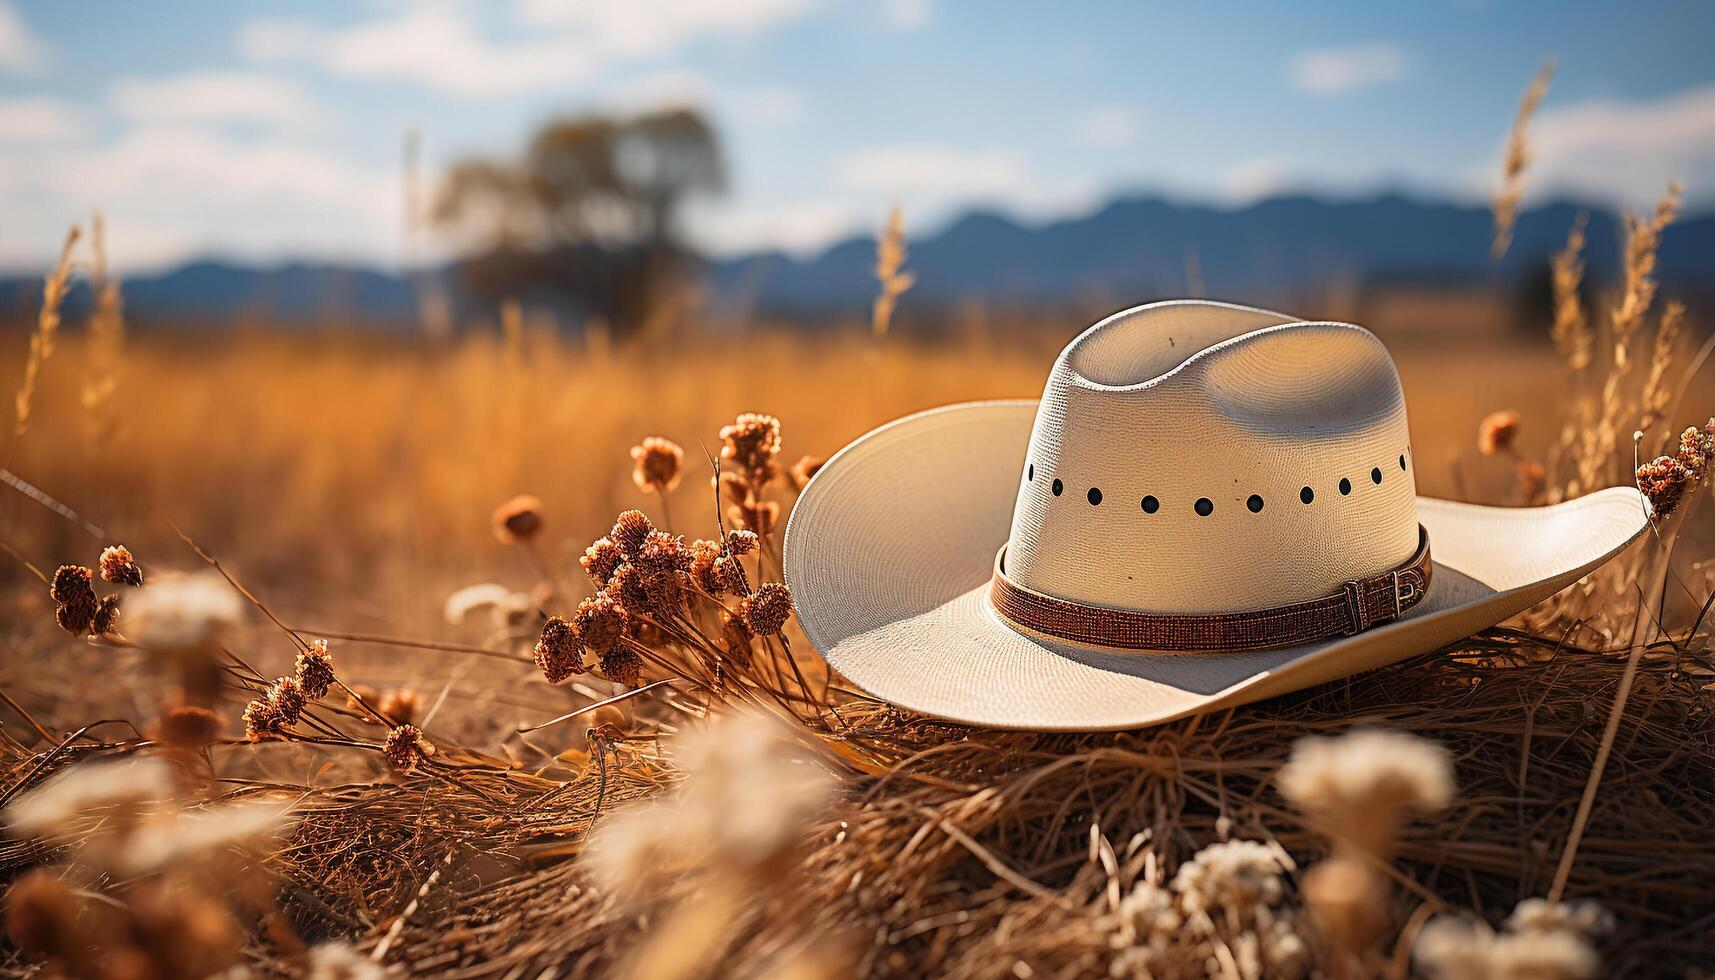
(197,789)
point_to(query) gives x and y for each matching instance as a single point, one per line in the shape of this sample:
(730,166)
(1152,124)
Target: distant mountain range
(1133,249)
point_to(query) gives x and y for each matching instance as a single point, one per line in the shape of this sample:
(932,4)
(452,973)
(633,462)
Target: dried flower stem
(889,274)
(1516,160)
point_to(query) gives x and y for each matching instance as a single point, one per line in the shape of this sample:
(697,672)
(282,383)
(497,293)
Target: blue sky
(268,130)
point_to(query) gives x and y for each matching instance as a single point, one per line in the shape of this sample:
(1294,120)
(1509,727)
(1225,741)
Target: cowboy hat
(1209,505)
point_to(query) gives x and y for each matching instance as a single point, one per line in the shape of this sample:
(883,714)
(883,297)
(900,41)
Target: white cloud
(216,97)
(39,121)
(173,191)
(21,51)
(774,105)
(799,226)
(1336,71)
(1106,126)
(1254,180)
(907,15)
(639,30)
(436,47)
(934,169)
(1626,151)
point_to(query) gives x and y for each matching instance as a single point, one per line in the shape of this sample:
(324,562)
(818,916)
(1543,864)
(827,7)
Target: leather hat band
(1359,605)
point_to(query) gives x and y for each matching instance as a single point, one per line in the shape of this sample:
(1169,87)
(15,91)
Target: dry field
(287,753)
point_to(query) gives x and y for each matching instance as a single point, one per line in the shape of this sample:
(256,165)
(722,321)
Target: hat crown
(1195,457)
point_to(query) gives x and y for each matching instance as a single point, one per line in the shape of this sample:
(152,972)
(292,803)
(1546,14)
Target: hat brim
(890,548)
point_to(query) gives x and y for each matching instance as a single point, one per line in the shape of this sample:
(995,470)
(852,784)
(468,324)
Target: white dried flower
(340,961)
(750,789)
(503,604)
(1366,769)
(1540,915)
(183,613)
(1541,941)
(54,808)
(1235,874)
(171,840)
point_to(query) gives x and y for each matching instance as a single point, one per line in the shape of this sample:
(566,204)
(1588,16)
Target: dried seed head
(180,614)
(600,559)
(1696,448)
(405,747)
(1532,480)
(339,961)
(189,726)
(622,666)
(263,720)
(1231,874)
(288,698)
(518,519)
(736,637)
(71,586)
(767,610)
(314,670)
(752,442)
(704,554)
(760,516)
(741,543)
(399,704)
(119,567)
(1361,783)
(106,618)
(557,651)
(629,532)
(41,915)
(801,472)
(77,618)
(733,486)
(600,624)
(729,572)
(1496,432)
(658,461)
(662,553)
(627,590)
(1663,480)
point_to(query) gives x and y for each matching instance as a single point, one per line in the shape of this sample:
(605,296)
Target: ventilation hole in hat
(1376,476)
(1307,495)
(1151,505)
(1095,496)
(1205,506)
(1255,504)
(1030,472)
(1345,486)
(1058,487)
(1402,463)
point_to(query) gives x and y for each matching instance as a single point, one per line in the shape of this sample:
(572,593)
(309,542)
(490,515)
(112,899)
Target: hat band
(1359,605)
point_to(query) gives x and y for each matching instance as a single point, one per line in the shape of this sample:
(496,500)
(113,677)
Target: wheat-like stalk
(1571,329)
(889,271)
(1516,160)
(107,342)
(47,331)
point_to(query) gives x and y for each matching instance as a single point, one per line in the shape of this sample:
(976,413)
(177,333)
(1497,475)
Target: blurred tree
(590,214)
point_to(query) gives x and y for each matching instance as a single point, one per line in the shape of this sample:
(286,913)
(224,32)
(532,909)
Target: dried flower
(800,472)
(1360,783)
(263,720)
(704,554)
(119,567)
(126,784)
(729,572)
(398,703)
(518,519)
(76,619)
(752,442)
(658,462)
(741,543)
(1497,431)
(622,666)
(41,914)
(600,559)
(405,747)
(629,532)
(314,669)
(183,613)
(760,516)
(1232,874)
(289,699)
(626,588)
(558,653)
(106,618)
(189,726)
(339,961)
(600,624)
(736,638)
(1532,480)
(1696,448)
(767,610)
(71,591)
(1540,941)
(1663,480)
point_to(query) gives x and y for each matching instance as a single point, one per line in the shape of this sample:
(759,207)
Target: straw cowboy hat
(1209,505)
